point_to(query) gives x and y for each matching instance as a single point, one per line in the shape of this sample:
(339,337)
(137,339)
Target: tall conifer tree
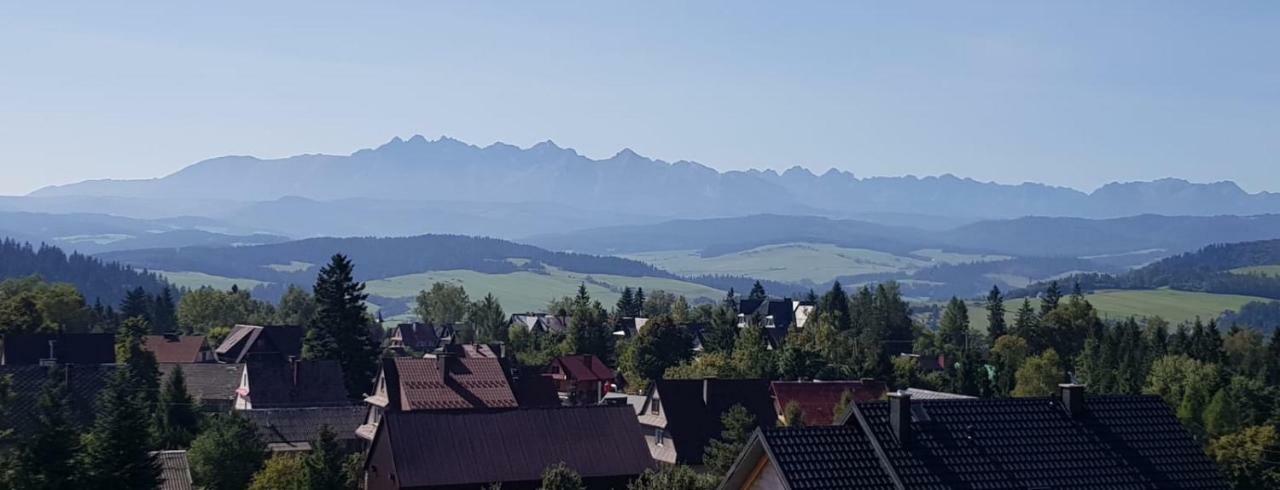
(340,330)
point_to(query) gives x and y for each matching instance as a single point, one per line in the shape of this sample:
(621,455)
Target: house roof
(449,382)
(826,457)
(175,470)
(68,348)
(175,348)
(692,420)
(84,383)
(919,394)
(583,367)
(253,342)
(468,448)
(207,382)
(535,391)
(299,426)
(818,399)
(541,321)
(421,336)
(296,384)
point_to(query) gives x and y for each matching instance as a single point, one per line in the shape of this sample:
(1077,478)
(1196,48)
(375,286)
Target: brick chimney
(900,416)
(1072,398)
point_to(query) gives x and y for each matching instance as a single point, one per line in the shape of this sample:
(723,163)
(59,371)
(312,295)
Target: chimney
(706,390)
(293,365)
(1072,398)
(52,360)
(900,415)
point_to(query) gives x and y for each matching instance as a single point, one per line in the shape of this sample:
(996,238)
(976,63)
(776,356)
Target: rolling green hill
(1174,306)
(789,262)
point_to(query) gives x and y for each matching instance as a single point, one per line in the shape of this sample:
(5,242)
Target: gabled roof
(67,348)
(84,383)
(692,410)
(175,348)
(583,367)
(259,343)
(475,448)
(208,382)
(421,337)
(447,382)
(175,470)
(920,394)
(828,457)
(541,322)
(817,399)
(285,428)
(296,384)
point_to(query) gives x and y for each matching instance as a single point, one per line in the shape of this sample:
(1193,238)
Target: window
(658,436)
(657,406)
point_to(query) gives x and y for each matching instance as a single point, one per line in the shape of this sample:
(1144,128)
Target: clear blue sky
(1071,93)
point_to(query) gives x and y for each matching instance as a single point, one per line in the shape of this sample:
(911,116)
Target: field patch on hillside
(790,262)
(1265,270)
(197,280)
(939,256)
(1174,306)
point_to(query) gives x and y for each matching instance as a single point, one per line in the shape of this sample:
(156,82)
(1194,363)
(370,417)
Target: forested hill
(375,258)
(94,278)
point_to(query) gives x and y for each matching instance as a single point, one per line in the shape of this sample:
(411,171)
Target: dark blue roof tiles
(826,458)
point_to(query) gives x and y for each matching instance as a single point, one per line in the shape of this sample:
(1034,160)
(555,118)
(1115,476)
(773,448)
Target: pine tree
(954,327)
(834,307)
(625,305)
(117,449)
(138,363)
(323,467)
(47,459)
(489,319)
(638,306)
(680,311)
(227,453)
(164,317)
(340,329)
(721,453)
(177,423)
(731,300)
(995,314)
(1052,296)
(136,304)
(751,356)
(757,293)
(1026,322)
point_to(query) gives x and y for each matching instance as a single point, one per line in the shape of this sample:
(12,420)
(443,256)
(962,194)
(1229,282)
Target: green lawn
(1266,270)
(1174,306)
(790,262)
(196,280)
(531,291)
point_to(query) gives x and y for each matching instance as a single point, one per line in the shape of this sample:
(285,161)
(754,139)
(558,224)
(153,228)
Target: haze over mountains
(493,188)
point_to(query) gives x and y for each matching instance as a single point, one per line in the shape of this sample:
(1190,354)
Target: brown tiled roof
(175,348)
(68,348)
(817,399)
(581,368)
(296,384)
(175,471)
(475,448)
(450,382)
(213,384)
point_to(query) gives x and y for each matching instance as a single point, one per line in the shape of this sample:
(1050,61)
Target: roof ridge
(875,444)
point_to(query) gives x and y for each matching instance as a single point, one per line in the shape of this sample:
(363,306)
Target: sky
(1067,93)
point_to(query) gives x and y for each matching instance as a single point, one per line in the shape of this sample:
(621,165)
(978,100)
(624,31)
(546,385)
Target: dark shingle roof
(257,343)
(1118,442)
(175,470)
(473,448)
(208,382)
(297,425)
(84,383)
(826,458)
(692,422)
(583,367)
(462,383)
(296,384)
(818,399)
(175,348)
(68,348)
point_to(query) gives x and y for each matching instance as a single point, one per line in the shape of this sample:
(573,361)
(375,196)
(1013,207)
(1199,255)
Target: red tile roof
(175,348)
(581,368)
(451,382)
(817,399)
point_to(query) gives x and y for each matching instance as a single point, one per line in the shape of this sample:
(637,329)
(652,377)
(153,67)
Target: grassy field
(1266,270)
(530,291)
(292,266)
(196,280)
(791,262)
(943,257)
(1174,306)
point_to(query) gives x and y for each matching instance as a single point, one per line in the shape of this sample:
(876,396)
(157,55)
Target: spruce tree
(995,314)
(757,292)
(1026,321)
(227,453)
(625,302)
(164,313)
(638,306)
(720,454)
(177,423)
(834,307)
(136,304)
(323,466)
(47,459)
(340,330)
(138,363)
(954,327)
(1049,301)
(117,451)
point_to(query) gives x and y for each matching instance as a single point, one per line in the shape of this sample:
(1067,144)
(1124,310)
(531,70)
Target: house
(628,326)
(419,337)
(211,385)
(540,322)
(1064,441)
(680,417)
(257,343)
(175,470)
(291,384)
(777,316)
(580,379)
(442,382)
(63,348)
(293,429)
(817,399)
(928,363)
(84,383)
(172,348)
(457,450)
